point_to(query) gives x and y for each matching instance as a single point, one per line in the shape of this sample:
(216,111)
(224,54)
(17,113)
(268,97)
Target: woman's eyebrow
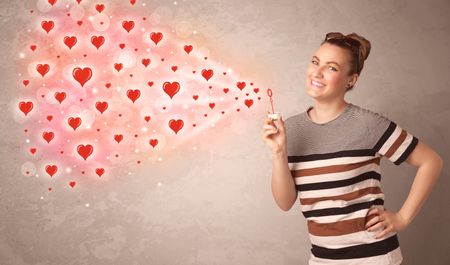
(326,62)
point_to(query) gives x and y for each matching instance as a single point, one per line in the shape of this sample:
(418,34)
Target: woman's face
(327,74)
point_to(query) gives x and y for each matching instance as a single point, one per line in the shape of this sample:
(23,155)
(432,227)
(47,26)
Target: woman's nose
(317,72)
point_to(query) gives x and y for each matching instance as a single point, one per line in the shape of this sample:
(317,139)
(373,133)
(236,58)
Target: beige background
(214,206)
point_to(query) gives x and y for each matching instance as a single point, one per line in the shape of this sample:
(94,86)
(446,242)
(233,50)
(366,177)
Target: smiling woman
(332,163)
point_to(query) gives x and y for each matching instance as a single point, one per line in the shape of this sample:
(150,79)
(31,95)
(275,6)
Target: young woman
(330,156)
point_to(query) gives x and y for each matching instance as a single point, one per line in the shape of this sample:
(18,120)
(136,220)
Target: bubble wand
(274,116)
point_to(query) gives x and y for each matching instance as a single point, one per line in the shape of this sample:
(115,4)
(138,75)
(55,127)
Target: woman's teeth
(317,84)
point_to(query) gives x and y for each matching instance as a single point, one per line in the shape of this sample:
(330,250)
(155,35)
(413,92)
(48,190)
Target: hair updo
(359,54)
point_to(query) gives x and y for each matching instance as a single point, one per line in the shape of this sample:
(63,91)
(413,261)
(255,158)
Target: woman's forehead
(328,52)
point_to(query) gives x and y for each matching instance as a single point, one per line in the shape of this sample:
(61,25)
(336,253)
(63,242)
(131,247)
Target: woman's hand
(275,135)
(386,220)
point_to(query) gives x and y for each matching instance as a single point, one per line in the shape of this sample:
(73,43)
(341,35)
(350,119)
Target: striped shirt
(336,168)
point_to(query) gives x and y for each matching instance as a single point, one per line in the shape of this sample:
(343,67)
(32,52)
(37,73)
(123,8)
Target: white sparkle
(27,141)
(194,148)
(67,6)
(148,50)
(43,84)
(143,4)
(136,151)
(94,90)
(171,52)
(42,197)
(105,123)
(107,157)
(22,55)
(175,2)
(154,131)
(74,60)
(159,184)
(68,140)
(90,18)
(185,106)
(29,30)
(159,159)
(62,112)
(68,170)
(229,70)
(104,71)
(129,173)
(37,175)
(128,126)
(110,16)
(20,74)
(87,205)
(118,88)
(194,32)
(144,129)
(95,140)
(88,127)
(143,29)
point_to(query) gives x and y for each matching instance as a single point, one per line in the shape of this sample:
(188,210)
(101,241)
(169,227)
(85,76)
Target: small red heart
(206,115)
(74,122)
(194,124)
(236,98)
(100,7)
(128,25)
(212,105)
(188,48)
(33,47)
(72,184)
(238,109)
(79,22)
(259,98)
(101,106)
(97,41)
(51,170)
(251,84)
(132,2)
(70,41)
(50,189)
(60,96)
(33,150)
(26,82)
(100,171)
(224,73)
(248,102)
(207,73)
(223,112)
(176,125)
(43,69)
(108,85)
(133,95)
(195,97)
(78,1)
(146,62)
(147,118)
(122,45)
(247,94)
(206,58)
(48,136)
(118,66)
(174,68)
(85,150)
(226,90)
(49,117)
(150,83)
(52,2)
(256,90)
(47,25)
(153,142)
(193,72)
(156,37)
(118,138)
(240,85)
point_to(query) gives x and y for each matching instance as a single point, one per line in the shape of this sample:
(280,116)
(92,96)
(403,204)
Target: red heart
(33,150)
(128,25)
(133,94)
(146,62)
(174,68)
(195,97)
(122,45)
(176,125)
(256,90)
(101,106)
(118,66)
(72,184)
(26,82)
(48,136)
(118,138)
(70,41)
(153,142)
(100,7)
(47,25)
(108,85)
(207,74)
(79,22)
(33,47)
(25,107)
(212,105)
(82,75)
(226,90)
(171,88)
(247,94)
(74,122)
(43,69)
(85,150)
(240,85)
(150,83)
(49,117)
(248,102)
(51,170)
(147,118)
(78,1)
(60,96)
(100,171)
(97,41)
(156,37)
(52,2)
(188,48)
(132,2)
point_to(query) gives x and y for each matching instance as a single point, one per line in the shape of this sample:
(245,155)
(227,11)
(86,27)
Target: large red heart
(97,41)
(240,85)
(82,75)
(74,122)
(248,102)
(43,69)
(70,41)
(25,107)
(47,25)
(101,106)
(176,125)
(188,48)
(48,136)
(60,96)
(171,88)
(85,150)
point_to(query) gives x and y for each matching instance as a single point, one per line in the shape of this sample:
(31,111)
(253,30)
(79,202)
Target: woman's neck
(325,112)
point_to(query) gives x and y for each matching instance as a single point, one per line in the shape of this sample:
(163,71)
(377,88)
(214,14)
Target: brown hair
(359,54)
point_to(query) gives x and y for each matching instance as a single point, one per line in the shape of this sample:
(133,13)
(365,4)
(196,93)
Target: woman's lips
(317,84)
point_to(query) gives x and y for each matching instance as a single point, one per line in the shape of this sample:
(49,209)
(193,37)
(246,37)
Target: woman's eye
(314,62)
(332,68)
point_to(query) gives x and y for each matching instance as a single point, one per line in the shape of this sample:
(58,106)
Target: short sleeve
(392,141)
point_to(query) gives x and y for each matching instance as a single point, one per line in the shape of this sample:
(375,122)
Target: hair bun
(364,49)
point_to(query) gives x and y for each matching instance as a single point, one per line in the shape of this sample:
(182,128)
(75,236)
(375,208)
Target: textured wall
(214,206)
